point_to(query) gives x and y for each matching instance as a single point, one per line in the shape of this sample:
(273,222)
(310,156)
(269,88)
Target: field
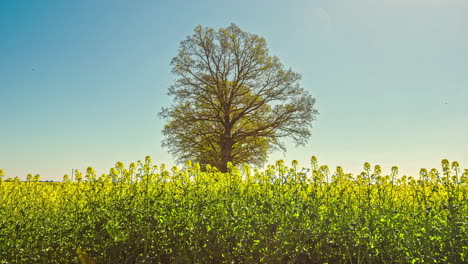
(148,214)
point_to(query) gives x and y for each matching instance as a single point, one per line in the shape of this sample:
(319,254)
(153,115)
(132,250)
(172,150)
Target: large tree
(233,101)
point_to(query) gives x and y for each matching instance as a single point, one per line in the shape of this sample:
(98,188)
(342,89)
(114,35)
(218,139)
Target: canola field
(285,214)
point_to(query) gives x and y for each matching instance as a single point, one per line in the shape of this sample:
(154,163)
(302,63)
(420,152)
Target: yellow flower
(119,165)
(90,171)
(367,166)
(66,178)
(113,171)
(132,166)
(324,169)
(148,159)
(78,176)
(295,163)
(314,162)
(280,163)
(445,163)
(423,172)
(377,169)
(339,170)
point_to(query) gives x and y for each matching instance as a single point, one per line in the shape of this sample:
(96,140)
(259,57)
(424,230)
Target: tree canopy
(233,102)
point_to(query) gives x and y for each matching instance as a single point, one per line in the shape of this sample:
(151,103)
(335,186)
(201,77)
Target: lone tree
(233,101)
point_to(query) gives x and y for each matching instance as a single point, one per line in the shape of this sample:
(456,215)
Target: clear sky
(81,82)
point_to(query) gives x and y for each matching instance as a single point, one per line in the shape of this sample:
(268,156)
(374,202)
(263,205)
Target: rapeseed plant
(147,214)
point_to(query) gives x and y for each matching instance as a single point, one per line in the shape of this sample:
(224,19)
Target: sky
(81,82)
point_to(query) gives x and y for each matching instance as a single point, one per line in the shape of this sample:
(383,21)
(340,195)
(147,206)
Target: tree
(233,101)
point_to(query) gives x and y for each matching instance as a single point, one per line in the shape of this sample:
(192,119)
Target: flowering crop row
(147,214)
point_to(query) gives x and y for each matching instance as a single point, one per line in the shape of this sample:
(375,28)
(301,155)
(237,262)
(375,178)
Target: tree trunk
(226,151)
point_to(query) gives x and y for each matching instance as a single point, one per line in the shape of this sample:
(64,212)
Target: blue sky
(81,82)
